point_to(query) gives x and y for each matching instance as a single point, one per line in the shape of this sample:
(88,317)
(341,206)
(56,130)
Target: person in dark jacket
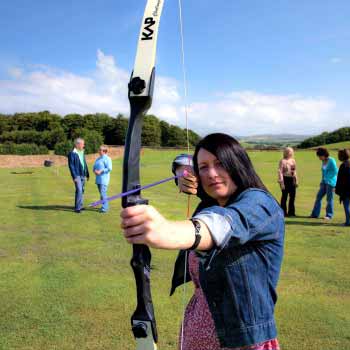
(234,245)
(79,171)
(342,188)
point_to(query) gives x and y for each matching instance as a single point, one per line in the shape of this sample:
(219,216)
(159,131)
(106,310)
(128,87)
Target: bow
(140,97)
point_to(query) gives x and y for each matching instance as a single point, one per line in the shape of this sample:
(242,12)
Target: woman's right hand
(187,184)
(282,186)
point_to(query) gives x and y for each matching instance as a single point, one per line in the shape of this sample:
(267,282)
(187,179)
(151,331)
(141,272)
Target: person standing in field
(287,178)
(234,244)
(79,171)
(329,179)
(342,188)
(102,169)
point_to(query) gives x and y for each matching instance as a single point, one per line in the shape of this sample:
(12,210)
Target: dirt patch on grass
(13,161)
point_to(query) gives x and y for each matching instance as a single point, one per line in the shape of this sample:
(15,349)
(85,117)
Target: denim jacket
(239,275)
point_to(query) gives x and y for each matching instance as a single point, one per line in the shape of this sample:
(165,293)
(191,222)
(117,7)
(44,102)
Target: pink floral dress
(199,328)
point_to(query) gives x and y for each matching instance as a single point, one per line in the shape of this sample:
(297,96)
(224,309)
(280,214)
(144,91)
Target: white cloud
(250,112)
(15,72)
(105,90)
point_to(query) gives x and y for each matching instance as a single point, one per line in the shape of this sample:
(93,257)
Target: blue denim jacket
(239,276)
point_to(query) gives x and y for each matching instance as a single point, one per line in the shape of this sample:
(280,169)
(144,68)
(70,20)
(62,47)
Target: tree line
(47,131)
(339,135)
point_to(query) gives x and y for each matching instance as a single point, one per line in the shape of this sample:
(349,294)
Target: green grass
(65,280)
(336,146)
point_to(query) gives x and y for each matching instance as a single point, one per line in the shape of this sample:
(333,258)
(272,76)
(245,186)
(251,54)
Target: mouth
(215,184)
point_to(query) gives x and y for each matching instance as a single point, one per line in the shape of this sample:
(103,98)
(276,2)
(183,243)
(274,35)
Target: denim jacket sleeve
(253,216)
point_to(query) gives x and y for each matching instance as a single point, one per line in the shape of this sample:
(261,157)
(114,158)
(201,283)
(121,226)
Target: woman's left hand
(143,224)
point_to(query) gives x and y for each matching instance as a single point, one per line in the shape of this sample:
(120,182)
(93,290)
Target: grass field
(338,145)
(65,280)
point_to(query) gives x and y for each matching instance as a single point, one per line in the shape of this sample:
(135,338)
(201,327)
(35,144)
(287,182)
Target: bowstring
(184,79)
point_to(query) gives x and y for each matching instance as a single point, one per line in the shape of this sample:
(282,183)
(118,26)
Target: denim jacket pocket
(241,299)
(259,287)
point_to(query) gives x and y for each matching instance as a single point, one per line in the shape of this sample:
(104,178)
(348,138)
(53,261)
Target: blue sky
(253,66)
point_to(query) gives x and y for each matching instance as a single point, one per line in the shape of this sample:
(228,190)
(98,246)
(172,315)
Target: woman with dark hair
(342,188)
(327,185)
(234,246)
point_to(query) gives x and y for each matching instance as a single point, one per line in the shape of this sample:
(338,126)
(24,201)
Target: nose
(212,173)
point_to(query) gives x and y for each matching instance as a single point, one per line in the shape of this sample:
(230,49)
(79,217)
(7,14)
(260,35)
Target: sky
(253,66)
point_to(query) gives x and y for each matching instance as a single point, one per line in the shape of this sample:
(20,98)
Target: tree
(46,121)
(194,137)
(45,128)
(97,122)
(151,132)
(55,136)
(72,122)
(177,137)
(119,130)
(63,148)
(339,135)
(93,139)
(165,133)
(4,123)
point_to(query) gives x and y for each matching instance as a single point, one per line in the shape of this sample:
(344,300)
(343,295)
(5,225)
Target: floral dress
(198,325)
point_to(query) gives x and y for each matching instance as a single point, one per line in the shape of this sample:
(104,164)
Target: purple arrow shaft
(123,194)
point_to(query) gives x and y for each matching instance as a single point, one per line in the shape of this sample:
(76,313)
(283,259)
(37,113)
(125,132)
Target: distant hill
(278,140)
(327,138)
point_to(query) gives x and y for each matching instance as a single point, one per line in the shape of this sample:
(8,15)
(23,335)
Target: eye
(203,168)
(218,164)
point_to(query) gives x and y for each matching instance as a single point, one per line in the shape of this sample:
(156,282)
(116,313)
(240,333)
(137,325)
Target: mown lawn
(65,280)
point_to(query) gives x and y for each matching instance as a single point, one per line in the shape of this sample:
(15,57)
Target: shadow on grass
(22,173)
(52,207)
(311,222)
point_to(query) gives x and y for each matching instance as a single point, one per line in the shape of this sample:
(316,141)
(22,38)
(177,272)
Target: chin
(218,195)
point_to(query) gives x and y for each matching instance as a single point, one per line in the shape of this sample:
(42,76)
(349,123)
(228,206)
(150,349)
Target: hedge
(22,149)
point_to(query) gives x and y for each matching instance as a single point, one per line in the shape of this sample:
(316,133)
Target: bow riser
(139,106)
(143,319)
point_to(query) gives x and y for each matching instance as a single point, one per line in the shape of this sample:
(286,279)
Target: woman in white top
(287,178)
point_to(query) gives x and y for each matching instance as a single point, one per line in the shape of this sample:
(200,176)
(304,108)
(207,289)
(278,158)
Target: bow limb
(140,97)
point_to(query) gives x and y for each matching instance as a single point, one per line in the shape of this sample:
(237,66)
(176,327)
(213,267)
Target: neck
(222,203)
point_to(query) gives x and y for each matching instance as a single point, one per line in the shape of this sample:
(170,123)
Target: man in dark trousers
(79,171)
